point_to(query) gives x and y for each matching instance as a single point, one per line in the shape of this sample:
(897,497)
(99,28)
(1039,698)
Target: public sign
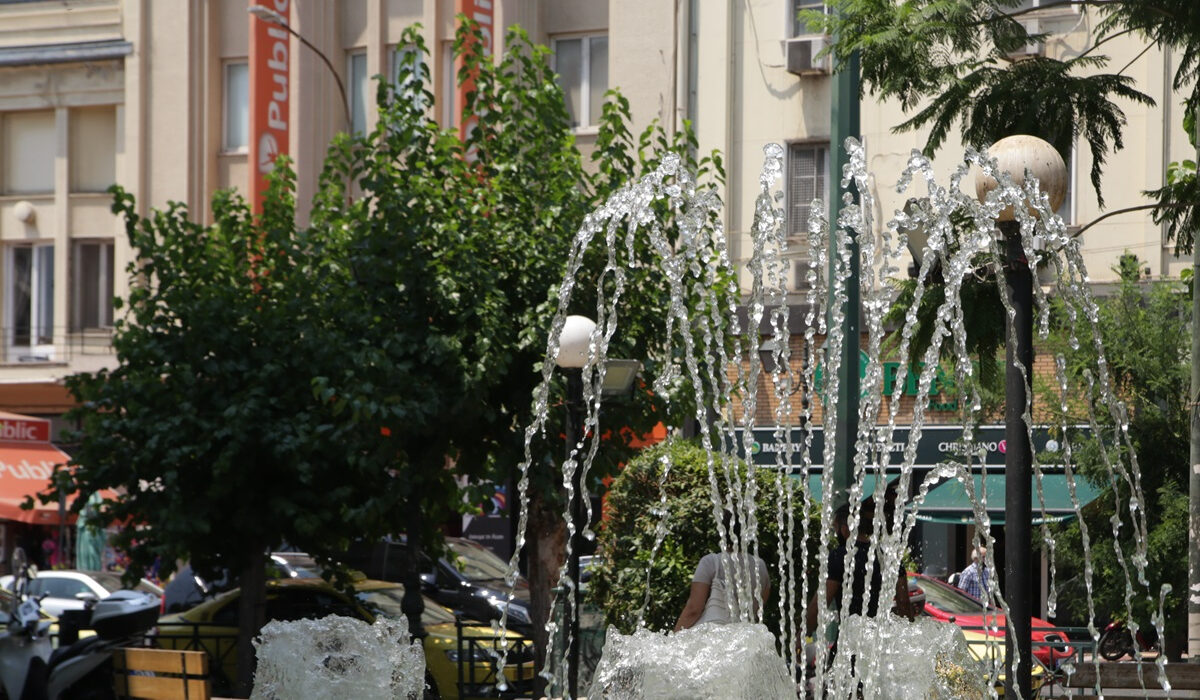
(23,429)
(483,13)
(270,46)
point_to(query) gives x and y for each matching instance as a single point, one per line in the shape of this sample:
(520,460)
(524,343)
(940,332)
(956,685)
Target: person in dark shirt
(866,590)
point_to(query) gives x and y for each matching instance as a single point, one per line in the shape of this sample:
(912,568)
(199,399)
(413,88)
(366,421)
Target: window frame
(794,7)
(585,125)
(354,83)
(38,306)
(105,277)
(226,108)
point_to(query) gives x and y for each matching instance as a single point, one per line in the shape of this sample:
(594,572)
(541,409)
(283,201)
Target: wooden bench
(1117,676)
(161,674)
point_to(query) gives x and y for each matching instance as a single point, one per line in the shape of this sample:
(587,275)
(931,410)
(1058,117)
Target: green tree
(1148,362)
(208,426)
(457,250)
(631,561)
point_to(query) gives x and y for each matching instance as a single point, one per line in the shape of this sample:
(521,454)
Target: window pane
(237,106)
(406,73)
(799,28)
(807,177)
(21,290)
(28,147)
(93,290)
(93,148)
(43,300)
(449,86)
(359,87)
(568,63)
(597,77)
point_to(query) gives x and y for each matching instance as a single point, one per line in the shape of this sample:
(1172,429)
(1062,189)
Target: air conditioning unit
(1033,48)
(801,53)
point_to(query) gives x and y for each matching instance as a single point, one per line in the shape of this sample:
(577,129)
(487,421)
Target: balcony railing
(68,345)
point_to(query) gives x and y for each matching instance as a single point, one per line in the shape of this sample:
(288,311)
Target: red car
(949,604)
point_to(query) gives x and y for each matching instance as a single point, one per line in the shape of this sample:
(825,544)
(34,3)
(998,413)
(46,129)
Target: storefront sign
(936,444)
(24,430)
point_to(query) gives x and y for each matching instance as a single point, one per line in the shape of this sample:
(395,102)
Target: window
(31,295)
(582,67)
(405,86)
(93,148)
(449,86)
(237,107)
(28,147)
(799,28)
(92,302)
(360,86)
(807,179)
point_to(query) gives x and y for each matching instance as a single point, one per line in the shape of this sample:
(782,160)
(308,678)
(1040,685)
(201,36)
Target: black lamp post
(619,375)
(1015,155)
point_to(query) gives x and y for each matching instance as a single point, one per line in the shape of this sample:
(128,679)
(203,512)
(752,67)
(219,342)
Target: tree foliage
(628,534)
(1148,362)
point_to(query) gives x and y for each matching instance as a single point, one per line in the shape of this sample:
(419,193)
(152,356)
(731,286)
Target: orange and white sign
(270,82)
(17,428)
(482,12)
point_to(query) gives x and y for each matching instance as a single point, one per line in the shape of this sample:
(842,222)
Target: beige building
(153,94)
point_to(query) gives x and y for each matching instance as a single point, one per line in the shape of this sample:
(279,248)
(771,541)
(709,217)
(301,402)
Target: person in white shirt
(711,598)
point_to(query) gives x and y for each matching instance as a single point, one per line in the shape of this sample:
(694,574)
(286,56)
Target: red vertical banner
(483,13)
(270,47)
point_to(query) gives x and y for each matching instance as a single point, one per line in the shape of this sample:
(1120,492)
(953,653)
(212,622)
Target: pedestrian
(866,590)
(975,578)
(710,598)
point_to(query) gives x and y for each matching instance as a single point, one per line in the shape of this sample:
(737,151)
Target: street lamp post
(1015,155)
(619,376)
(266,14)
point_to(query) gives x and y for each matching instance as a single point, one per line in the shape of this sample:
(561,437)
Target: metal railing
(62,344)
(479,674)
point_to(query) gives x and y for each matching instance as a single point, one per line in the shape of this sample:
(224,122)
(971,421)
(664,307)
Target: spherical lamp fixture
(1015,155)
(574,341)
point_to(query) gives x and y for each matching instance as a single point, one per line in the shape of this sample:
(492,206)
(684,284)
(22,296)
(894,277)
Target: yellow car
(988,653)
(212,626)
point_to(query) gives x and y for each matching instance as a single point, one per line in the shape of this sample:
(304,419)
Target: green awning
(948,502)
(814,484)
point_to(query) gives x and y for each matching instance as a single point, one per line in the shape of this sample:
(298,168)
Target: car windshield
(949,599)
(387,603)
(476,562)
(301,565)
(112,583)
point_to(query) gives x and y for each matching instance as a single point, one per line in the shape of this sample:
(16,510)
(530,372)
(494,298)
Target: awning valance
(948,502)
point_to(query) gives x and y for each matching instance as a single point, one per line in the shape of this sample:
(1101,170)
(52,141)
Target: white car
(70,590)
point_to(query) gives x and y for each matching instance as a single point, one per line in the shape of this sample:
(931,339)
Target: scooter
(1117,642)
(76,670)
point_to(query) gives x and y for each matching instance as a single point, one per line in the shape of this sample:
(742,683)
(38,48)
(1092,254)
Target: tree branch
(1126,210)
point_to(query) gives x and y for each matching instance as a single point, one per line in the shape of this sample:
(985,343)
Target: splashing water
(715,352)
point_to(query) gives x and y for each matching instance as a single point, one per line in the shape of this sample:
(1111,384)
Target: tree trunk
(252,604)
(547,538)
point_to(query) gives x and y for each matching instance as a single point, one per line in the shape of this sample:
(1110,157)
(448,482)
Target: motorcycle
(1117,642)
(79,669)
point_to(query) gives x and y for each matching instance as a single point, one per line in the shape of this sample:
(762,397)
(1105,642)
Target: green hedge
(633,512)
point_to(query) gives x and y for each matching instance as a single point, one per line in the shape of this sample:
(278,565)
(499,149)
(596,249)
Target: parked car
(66,589)
(187,589)
(478,653)
(469,579)
(213,625)
(947,603)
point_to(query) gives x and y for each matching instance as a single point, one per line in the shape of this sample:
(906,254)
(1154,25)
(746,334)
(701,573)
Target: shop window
(582,67)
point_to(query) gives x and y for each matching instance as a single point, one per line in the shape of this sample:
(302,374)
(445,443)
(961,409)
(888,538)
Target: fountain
(716,354)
